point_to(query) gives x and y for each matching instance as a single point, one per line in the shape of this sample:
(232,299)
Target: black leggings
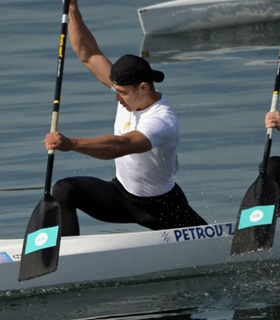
(110,202)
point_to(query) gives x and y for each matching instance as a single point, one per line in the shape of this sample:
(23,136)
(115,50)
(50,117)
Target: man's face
(131,97)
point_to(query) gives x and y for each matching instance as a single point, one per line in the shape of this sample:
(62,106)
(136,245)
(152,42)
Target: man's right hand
(272,120)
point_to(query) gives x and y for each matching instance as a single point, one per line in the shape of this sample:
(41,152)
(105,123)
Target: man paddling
(144,144)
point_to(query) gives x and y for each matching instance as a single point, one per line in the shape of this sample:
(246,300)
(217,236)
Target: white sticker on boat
(198,233)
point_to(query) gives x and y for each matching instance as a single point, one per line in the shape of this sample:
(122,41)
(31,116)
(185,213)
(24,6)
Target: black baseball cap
(130,69)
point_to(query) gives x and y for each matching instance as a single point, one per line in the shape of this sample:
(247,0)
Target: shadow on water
(181,47)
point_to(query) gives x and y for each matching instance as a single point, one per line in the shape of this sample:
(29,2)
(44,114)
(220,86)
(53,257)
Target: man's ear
(144,86)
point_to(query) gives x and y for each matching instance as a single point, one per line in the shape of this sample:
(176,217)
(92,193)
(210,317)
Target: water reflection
(233,295)
(271,312)
(172,48)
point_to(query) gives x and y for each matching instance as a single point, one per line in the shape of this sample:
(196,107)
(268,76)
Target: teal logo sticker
(256,216)
(41,239)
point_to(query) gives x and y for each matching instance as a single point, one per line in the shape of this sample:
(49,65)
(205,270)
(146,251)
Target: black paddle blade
(256,221)
(40,250)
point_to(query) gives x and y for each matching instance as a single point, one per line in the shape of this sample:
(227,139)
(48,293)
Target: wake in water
(234,294)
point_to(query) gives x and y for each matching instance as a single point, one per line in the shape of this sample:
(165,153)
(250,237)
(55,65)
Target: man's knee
(62,187)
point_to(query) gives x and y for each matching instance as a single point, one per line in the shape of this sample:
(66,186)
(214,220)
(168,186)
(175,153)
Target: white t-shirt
(149,173)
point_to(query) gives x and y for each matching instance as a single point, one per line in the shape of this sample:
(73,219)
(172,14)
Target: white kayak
(187,15)
(92,258)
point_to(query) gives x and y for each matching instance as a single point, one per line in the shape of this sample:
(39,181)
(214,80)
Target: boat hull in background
(187,15)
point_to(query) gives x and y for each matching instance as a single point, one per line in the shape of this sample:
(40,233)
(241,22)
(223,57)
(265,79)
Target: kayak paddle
(256,220)
(40,250)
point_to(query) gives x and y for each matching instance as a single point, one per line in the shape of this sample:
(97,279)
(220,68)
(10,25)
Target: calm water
(219,83)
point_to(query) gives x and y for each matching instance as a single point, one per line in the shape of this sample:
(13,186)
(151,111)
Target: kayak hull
(187,15)
(108,257)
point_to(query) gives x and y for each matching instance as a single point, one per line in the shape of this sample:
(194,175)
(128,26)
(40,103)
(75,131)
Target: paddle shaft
(40,251)
(274,102)
(57,94)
